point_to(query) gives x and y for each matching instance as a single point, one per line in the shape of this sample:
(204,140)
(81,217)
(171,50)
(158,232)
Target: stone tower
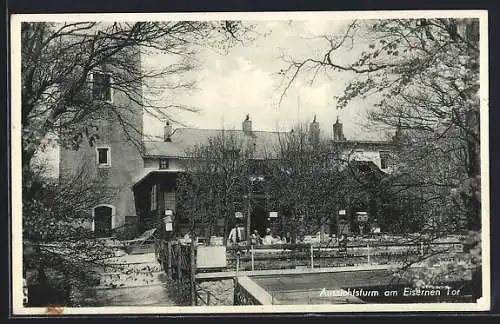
(115,157)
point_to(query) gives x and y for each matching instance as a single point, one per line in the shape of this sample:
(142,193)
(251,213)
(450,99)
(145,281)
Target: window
(169,200)
(383,163)
(231,154)
(384,160)
(154,196)
(163,163)
(101,86)
(103,156)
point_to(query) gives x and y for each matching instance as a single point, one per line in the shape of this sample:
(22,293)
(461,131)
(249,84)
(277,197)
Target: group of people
(238,235)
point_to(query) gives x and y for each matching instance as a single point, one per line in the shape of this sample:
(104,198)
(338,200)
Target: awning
(153,172)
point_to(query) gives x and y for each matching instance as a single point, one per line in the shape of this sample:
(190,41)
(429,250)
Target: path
(139,282)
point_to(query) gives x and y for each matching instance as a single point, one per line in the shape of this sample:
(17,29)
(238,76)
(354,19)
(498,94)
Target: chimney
(247,125)
(338,132)
(167,132)
(314,132)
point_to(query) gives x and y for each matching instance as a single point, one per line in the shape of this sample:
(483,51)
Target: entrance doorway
(102,220)
(258,220)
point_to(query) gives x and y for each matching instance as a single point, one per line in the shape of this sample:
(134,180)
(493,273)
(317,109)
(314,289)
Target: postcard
(250,162)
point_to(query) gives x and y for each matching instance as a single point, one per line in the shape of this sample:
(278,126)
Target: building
(144,172)
(146,178)
(115,156)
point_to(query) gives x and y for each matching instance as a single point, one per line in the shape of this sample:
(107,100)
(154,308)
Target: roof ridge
(229,129)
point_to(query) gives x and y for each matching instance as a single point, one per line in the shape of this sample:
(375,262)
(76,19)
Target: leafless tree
(423,75)
(57,232)
(57,60)
(215,182)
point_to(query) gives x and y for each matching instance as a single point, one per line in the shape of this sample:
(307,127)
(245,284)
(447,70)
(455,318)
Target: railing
(179,260)
(309,255)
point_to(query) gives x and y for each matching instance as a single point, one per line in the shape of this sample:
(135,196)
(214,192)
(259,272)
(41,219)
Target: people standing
(268,239)
(255,239)
(236,235)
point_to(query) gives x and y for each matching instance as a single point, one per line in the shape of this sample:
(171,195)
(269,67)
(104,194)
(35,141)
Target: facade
(114,157)
(144,175)
(155,188)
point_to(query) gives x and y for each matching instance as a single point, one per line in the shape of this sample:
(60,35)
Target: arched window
(103,219)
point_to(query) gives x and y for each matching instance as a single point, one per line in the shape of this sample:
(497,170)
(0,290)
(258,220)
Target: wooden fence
(179,260)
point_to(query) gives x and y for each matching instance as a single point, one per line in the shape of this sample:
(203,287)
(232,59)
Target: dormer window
(231,153)
(384,160)
(101,86)
(163,164)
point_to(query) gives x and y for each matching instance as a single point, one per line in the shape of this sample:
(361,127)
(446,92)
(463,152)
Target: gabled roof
(183,140)
(264,143)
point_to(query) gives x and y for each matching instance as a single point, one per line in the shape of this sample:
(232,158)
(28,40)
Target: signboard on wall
(168,227)
(273,214)
(238,215)
(342,212)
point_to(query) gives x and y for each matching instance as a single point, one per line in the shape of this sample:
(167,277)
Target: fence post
(235,291)
(312,257)
(421,248)
(179,265)
(192,274)
(253,268)
(368,252)
(237,262)
(169,258)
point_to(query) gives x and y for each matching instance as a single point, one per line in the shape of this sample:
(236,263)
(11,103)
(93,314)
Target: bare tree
(304,181)
(58,60)
(62,103)
(423,75)
(215,182)
(57,231)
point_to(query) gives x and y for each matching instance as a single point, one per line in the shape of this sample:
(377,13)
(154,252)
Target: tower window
(103,156)
(384,160)
(101,86)
(163,163)
(383,163)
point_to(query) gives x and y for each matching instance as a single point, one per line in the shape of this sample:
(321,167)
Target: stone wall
(221,293)
(124,141)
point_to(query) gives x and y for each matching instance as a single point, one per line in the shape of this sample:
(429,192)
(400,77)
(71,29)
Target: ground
(140,282)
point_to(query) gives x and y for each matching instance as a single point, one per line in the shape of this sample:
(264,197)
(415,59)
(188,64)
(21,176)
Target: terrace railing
(179,260)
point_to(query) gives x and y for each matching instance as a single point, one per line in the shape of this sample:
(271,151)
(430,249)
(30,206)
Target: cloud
(245,81)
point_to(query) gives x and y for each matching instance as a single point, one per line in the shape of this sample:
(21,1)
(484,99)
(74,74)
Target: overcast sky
(246,80)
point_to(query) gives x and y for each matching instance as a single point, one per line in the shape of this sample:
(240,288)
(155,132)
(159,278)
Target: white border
(18,309)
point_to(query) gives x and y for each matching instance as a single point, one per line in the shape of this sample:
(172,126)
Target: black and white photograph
(250,162)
